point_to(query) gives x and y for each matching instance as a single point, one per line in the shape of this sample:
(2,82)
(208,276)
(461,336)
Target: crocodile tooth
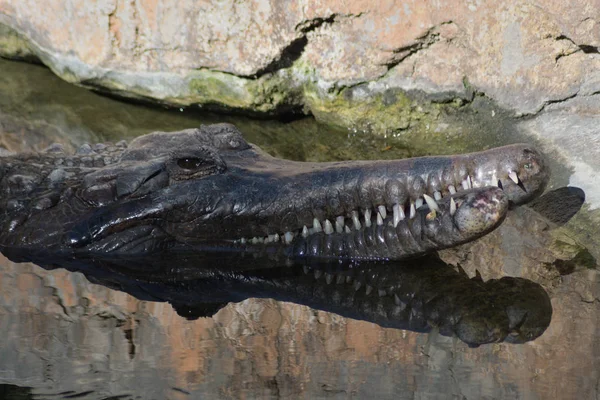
(305,232)
(328,278)
(339,224)
(328,227)
(243,240)
(382,211)
(369,289)
(317,225)
(451,189)
(513,177)
(413,212)
(340,279)
(431,203)
(348,279)
(268,238)
(318,273)
(357,285)
(382,292)
(261,240)
(306,269)
(437,195)
(288,237)
(418,203)
(398,214)
(254,240)
(355,220)
(452,206)
(379,219)
(368,217)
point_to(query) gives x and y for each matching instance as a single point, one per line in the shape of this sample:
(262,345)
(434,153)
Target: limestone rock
(264,55)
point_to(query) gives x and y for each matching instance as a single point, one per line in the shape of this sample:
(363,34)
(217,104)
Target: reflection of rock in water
(418,295)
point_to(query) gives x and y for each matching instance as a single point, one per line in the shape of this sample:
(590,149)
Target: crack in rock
(295,49)
(584,48)
(550,102)
(402,53)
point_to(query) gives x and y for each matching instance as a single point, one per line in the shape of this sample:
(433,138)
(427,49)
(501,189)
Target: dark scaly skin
(421,294)
(209,189)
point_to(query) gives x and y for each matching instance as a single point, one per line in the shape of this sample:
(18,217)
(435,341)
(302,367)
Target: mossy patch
(353,107)
(578,237)
(268,94)
(206,87)
(13,46)
(413,120)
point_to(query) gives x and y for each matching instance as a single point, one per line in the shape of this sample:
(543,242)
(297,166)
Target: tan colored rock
(521,54)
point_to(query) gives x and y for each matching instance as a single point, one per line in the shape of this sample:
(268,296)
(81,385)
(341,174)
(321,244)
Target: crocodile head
(210,189)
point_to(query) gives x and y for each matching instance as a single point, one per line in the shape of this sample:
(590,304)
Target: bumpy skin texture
(209,189)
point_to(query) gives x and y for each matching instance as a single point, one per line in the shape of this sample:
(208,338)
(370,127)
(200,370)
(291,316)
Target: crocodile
(210,190)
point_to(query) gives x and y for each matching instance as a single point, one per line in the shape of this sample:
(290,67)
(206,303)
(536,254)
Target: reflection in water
(421,294)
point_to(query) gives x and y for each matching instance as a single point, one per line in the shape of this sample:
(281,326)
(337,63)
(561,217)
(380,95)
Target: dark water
(38,108)
(66,337)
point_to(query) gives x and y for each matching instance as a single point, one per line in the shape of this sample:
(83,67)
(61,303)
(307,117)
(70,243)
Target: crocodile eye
(528,166)
(191,163)
(195,163)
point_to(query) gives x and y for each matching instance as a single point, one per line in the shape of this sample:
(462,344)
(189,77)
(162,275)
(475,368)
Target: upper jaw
(303,215)
(328,197)
(518,190)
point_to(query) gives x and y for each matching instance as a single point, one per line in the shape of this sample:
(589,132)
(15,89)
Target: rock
(265,56)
